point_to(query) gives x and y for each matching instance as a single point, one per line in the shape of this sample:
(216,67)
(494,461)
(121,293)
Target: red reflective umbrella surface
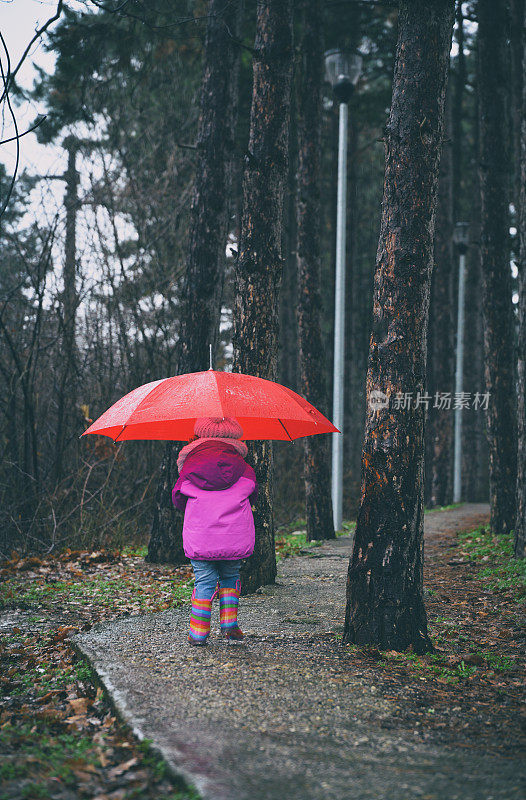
(167,409)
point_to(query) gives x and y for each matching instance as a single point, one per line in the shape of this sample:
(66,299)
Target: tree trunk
(67,388)
(475,483)
(442,326)
(475,466)
(316,448)
(288,339)
(385,604)
(457,116)
(362,277)
(288,457)
(493,78)
(260,263)
(200,305)
(517,114)
(520,519)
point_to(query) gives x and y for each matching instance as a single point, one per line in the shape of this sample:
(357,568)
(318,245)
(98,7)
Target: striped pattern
(228,603)
(199,620)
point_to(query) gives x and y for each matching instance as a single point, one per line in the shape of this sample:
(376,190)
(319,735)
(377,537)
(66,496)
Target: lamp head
(342,71)
(461,236)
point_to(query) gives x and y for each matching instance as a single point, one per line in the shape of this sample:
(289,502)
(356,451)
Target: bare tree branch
(37,35)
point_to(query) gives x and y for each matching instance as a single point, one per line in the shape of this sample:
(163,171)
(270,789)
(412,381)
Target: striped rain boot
(199,620)
(228,603)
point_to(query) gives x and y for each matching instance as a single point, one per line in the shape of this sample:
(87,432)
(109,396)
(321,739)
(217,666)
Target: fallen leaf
(473,658)
(82,776)
(124,767)
(28,563)
(49,713)
(80,705)
(63,632)
(77,720)
(48,696)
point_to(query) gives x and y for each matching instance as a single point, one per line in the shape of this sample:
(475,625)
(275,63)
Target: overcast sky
(19,19)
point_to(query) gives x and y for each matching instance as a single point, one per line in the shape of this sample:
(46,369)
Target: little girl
(214,489)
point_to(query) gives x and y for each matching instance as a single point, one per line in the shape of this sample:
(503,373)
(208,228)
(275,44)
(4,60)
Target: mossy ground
(58,733)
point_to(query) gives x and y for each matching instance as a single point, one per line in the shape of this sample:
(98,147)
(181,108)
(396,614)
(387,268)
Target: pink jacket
(214,490)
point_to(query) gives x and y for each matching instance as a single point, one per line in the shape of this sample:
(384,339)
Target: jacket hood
(213,466)
(237,444)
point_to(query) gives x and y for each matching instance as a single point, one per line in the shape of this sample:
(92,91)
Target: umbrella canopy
(167,409)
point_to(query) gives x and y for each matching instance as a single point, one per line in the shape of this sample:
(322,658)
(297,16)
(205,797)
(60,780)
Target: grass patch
(442,508)
(140,551)
(39,757)
(504,571)
(44,752)
(291,539)
(432,665)
(122,593)
(348,527)
(447,668)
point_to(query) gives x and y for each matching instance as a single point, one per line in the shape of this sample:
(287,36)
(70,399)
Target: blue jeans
(208,573)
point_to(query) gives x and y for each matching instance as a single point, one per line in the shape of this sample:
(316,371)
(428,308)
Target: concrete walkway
(285,715)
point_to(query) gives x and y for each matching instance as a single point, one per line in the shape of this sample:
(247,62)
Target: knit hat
(224,427)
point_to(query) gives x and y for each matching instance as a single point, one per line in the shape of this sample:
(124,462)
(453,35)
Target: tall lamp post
(342,71)
(461,240)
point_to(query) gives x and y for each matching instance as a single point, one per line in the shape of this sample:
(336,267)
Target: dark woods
(160,114)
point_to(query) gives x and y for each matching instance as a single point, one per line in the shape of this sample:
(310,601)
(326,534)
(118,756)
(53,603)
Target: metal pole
(339,324)
(457,473)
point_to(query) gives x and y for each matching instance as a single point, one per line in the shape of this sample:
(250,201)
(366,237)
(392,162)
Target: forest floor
(291,712)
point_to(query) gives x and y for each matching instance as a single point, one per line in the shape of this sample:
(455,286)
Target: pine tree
(260,263)
(316,448)
(493,80)
(520,518)
(385,603)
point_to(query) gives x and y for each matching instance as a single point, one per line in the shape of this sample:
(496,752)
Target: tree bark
(385,604)
(67,390)
(517,114)
(316,448)
(475,466)
(493,80)
(202,290)
(288,336)
(260,262)
(457,116)
(442,326)
(520,518)
(288,457)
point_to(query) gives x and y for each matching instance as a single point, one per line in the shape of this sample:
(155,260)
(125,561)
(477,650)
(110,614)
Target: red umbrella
(167,409)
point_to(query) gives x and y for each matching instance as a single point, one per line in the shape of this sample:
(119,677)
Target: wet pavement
(286,714)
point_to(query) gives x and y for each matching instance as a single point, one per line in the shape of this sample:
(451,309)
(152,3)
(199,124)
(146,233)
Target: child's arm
(249,473)
(179,500)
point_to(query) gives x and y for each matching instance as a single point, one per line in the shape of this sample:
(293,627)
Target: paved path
(285,715)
